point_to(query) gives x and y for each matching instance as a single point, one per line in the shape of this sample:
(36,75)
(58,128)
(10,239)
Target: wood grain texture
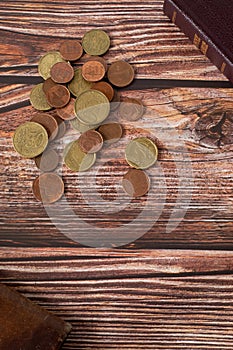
(130,300)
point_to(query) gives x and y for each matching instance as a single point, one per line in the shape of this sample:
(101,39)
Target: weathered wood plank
(205,174)
(130,300)
(140,33)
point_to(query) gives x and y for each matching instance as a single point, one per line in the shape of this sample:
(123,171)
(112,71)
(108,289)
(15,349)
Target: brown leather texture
(215,19)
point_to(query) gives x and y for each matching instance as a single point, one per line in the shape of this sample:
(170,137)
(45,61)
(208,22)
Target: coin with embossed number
(48,188)
(90,141)
(78,84)
(47,61)
(38,98)
(141,153)
(77,160)
(93,71)
(30,139)
(96,42)
(71,50)
(120,73)
(92,107)
(58,96)
(62,72)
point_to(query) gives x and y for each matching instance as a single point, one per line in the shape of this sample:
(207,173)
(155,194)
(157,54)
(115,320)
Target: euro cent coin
(48,188)
(47,61)
(78,84)
(96,42)
(120,73)
(136,183)
(141,153)
(30,139)
(77,160)
(71,50)
(38,98)
(92,107)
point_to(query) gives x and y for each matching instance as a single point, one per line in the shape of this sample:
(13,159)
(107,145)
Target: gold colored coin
(30,139)
(38,99)
(78,84)
(47,61)
(76,160)
(141,153)
(92,107)
(77,125)
(96,42)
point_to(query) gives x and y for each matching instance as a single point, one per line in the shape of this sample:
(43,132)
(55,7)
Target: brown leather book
(209,25)
(27,326)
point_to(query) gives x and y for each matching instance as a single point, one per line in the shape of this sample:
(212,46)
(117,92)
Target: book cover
(209,25)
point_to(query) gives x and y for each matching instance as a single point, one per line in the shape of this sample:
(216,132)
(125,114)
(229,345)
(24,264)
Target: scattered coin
(61,127)
(48,188)
(30,139)
(90,141)
(78,84)
(120,73)
(47,84)
(71,50)
(62,72)
(77,160)
(141,153)
(136,183)
(38,98)
(58,96)
(99,59)
(67,112)
(105,88)
(47,61)
(77,125)
(96,42)
(131,109)
(111,132)
(47,161)
(93,71)
(48,122)
(92,107)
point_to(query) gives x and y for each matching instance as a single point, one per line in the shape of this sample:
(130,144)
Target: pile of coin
(85,96)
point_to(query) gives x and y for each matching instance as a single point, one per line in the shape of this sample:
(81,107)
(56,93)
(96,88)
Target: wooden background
(154,293)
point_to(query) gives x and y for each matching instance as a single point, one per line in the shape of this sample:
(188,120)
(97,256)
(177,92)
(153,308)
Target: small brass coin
(77,125)
(47,61)
(30,139)
(48,188)
(92,107)
(96,42)
(141,153)
(136,182)
(78,84)
(38,98)
(77,160)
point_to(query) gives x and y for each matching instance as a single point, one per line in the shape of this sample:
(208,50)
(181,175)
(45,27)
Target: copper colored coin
(67,112)
(99,59)
(58,96)
(71,50)
(62,72)
(115,103)
(48,122)
(136,183)
(47,84)
(61,127)
(120,73)
(131,109)
(90,141)
(105,88)
(93,71)
(48,188)
(111,132)
(47,161)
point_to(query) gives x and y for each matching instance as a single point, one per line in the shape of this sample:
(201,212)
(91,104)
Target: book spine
(199,38)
